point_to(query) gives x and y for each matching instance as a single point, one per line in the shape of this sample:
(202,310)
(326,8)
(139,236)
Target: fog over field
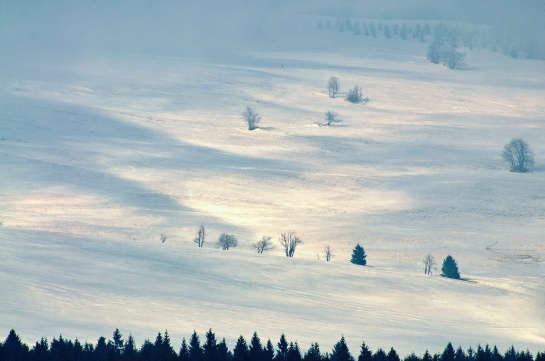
(120,123)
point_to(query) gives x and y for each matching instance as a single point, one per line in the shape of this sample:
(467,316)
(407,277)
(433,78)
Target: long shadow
(51,144)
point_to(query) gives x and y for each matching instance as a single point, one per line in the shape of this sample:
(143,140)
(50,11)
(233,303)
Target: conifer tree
(448,353)
(294,352)
(340,351)
(460,355)
(240,352)
(379,355)
(129,349)
(365,353)
(313,353)
(450,269)
(412,357)
(427,356)
(184,351)
(359,256)
(256,349)
(166,352)
(268,353)
(392,355)
(282,350)
(210,346)
(223,352)
(195,350)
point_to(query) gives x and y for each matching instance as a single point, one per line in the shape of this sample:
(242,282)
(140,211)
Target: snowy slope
(102,153)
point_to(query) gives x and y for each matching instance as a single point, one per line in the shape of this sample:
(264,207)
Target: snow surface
(104,150)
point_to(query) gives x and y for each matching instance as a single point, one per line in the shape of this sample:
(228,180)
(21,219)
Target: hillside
(102,151)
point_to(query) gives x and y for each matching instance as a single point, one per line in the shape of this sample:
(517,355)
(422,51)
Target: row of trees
(117,349)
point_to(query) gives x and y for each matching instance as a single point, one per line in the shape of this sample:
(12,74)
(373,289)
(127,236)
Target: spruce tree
(240,352)
(223,353)
(256,349)
(313,353)
(268,353)
(294,352)
(282,350)
(392,355)
(365,353)
(340,351)
(379,355)
(359,256)
(450,269)
(210,346)
(195,350)
(184,351)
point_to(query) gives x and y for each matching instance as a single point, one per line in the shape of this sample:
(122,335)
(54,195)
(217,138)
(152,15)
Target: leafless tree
(227,241)
(199,239)
(331,117)
(519,155)
(163,238)
(328,251)
(251,117)
(289,241)
(354,95)
(263,245)
(429,264)
(333,86)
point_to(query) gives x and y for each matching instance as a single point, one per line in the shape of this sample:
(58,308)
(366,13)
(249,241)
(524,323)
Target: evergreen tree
(340,351)
(448,353)
(101,349)
(460,355)
(427,356)
(268,353)
(223,353)
(392,355)
(240,352)
(412,357)
(129,349)
(13,349)
(195,351)
(379,355)
(365,353)
(40,351)
(282,350)
(256,349)
(184,351)
(166,351)
(294,352)
(147,351)
(450,268)
(313,353)
(359,256)
(210,347)
(540,356)
(510,354)
(117,342)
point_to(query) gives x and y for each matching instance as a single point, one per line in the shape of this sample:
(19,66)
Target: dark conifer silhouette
(365,353)
(240,352)
(450,269)
(340,352)
(359,256)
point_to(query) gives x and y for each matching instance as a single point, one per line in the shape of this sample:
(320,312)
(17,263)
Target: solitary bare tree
(289,241)
(331,117)
(263,245)
(251,117)
(333,86)
(429,264)
(227,241)
(199,239)
(354,95)
(519,155)
(328,251)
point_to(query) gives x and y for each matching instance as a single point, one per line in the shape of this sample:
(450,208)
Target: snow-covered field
(101,155)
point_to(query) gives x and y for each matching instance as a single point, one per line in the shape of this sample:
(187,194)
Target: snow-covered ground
(100,155)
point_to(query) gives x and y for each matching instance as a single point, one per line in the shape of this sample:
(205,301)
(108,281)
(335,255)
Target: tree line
(118,349)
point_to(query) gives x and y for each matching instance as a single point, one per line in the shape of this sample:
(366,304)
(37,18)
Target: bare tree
(163,238)
(199,239)
(519,155)
(227,241)
(333,86)
(429,264)
(331,117)
(289,241)
(354,95)
(328,251)
(251,117)
(263,245)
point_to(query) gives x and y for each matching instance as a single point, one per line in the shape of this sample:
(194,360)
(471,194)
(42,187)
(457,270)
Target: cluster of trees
(117,349)
(516,42)
(443,50)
